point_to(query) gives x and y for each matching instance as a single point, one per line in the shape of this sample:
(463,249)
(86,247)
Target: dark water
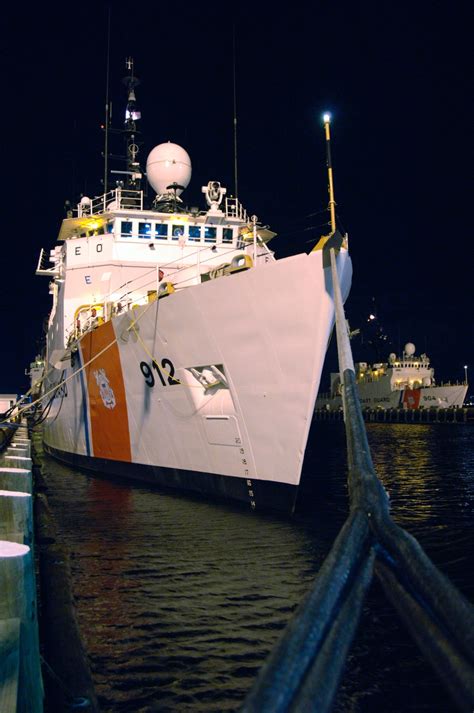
(180,600)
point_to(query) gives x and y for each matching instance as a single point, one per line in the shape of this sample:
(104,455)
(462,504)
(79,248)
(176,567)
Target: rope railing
(303,671)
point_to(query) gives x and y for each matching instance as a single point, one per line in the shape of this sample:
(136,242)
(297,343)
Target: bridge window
(227,235)
(109,228)
(144,230)
(195,233)
(161,231)
(126,228)
(210,234)
(177,231)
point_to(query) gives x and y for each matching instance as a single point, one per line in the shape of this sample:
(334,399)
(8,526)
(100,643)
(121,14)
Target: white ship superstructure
(179,350)
(402,382)
(35,373)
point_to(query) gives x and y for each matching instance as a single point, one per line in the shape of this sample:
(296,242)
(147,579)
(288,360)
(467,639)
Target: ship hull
(280,497)
(143,397)
(375,396)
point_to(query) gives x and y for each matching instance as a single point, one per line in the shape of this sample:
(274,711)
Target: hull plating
(210,389)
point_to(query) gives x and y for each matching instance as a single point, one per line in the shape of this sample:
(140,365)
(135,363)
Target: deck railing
(117,199)
(235,209)
(131,199)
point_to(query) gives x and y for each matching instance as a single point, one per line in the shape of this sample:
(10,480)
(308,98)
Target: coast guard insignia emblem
(106,392)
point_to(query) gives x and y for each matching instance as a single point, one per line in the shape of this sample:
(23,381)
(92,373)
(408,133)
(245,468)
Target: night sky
(395,76)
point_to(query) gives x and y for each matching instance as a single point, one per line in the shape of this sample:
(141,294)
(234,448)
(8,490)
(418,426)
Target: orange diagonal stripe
(109,426)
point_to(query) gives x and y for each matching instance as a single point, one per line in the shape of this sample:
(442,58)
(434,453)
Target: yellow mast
(332,202)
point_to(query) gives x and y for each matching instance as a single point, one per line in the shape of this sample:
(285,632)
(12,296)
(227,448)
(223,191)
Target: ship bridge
(117,255)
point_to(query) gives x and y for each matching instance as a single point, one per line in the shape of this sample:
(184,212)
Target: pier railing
(303,672)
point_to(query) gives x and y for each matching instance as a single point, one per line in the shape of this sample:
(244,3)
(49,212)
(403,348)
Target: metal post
(344,346)
(236,187)
(254,221)
(107,113)
(332,202)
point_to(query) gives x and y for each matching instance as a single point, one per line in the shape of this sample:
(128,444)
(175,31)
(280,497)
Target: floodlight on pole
(332,202)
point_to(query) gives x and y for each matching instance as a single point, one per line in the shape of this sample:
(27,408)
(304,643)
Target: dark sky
(396,77)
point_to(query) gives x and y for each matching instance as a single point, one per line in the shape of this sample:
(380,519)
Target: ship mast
(332,202)
(107,110)
(133,172)
(132,115)
(236,188)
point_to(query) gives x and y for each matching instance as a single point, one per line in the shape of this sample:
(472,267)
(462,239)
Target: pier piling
(19,631)
(16,517)
(18,462)
(21,684)
(16,479)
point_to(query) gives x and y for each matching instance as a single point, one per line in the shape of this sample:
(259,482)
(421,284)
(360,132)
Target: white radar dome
(409,349)
(168,164)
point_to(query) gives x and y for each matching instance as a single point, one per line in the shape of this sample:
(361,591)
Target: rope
(131,326)
(165,265)
(76,702)
(304,670)
(102,351)
(159,367)
(78,371)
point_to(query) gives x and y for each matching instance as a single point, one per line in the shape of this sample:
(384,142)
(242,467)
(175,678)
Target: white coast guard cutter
(180,350)
(401,382)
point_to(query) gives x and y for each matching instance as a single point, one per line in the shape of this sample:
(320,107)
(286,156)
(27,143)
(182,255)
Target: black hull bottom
(265,494)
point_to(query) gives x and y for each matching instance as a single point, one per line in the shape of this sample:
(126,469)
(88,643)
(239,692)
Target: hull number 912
(164,372)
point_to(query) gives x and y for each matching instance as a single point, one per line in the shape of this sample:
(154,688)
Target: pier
(401,415)
(67,683)
(21,683)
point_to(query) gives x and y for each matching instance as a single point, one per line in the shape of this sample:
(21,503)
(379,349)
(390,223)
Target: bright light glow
(326,118)
(91,223)
(371,316)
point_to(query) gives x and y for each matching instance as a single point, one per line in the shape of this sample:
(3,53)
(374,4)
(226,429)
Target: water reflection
(180,600)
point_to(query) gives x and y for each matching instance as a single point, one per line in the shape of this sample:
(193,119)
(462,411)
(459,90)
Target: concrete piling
(21,683)
(16,517)
(16,479)
(18,616)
